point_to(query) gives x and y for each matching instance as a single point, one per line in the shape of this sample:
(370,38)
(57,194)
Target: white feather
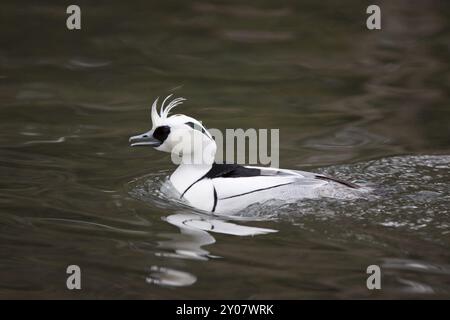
(154,114)
(158,118)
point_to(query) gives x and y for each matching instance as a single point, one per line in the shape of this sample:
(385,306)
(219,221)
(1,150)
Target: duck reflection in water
(195,233)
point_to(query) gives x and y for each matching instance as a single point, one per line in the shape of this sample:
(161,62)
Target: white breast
(201,195)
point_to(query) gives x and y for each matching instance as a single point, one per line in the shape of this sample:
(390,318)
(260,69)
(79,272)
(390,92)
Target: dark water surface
(369,106)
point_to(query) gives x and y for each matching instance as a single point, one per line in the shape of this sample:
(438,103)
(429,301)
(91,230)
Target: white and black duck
(227,188)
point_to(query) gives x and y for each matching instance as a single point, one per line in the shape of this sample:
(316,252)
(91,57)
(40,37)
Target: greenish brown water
(369,106)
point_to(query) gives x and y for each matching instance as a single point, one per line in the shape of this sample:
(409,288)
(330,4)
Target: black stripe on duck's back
(231,171)
(226,171)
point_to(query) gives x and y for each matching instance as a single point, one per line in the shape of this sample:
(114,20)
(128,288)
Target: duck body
(228,188)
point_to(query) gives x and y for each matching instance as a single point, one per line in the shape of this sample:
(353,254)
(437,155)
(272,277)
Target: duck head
(182,136)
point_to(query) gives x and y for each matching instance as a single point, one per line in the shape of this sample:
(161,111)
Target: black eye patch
(196,127)
(161,133)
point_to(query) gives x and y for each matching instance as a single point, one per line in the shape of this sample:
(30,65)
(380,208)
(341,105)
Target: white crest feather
(164,111)
(154,114)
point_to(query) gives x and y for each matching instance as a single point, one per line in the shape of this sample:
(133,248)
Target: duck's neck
(187,174)
(189,171)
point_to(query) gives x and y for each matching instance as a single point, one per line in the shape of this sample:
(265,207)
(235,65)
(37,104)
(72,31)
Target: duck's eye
(196,127)
(161,133)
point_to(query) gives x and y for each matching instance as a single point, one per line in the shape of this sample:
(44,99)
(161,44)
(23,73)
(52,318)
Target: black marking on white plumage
(195,127)
(262,189)
(215,200)
(226,171)
(161,133)
(231,171)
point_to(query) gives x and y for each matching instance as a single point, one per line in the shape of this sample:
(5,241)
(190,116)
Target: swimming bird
(226,188)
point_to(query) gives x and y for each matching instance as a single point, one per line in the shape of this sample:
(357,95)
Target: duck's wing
(226,183)
(238,171)
(301,174)
(231,181)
